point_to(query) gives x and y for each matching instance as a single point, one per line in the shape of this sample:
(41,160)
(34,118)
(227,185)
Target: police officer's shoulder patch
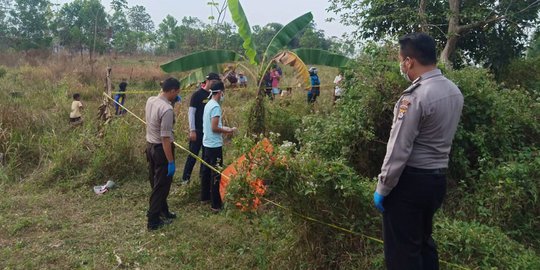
(403,107)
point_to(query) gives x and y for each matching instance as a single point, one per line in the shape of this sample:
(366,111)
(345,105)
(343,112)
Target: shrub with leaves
(481,247)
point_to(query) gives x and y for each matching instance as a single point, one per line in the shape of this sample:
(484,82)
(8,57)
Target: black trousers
(313,94)
(408,220)
(159,181)
(210,179)
(194,147)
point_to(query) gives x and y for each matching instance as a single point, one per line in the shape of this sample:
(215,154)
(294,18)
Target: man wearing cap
(213,145)
(412,182)
(195,113)
(160,151)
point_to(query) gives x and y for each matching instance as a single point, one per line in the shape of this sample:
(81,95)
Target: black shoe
(152,226)
(169,215)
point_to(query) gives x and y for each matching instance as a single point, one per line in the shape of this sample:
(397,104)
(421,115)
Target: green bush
(478,246)
(506,195)
(329,191)
(523,74)
(284,118)
(495,123)
(360,125)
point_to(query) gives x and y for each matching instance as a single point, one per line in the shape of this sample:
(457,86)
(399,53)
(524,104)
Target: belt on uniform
(426,171)
(157,144)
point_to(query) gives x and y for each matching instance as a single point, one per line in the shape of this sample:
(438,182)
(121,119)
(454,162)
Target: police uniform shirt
(425,120)
(159,119)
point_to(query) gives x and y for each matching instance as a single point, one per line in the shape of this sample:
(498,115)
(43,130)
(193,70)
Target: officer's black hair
(217,86)
(419,46)
(76,96)
(170,84)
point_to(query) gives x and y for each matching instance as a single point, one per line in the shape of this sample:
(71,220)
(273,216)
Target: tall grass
(51,217)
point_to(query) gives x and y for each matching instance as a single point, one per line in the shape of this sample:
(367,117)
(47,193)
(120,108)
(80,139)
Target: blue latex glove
(171,168)
(178,99)
(378,200)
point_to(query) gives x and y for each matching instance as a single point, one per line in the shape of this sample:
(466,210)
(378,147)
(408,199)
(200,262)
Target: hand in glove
(378,200)
(171,168)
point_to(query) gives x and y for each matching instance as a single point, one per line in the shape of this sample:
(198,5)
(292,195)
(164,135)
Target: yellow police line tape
(236,88)
(277,204)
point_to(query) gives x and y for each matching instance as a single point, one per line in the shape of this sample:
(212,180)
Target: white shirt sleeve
(191,118)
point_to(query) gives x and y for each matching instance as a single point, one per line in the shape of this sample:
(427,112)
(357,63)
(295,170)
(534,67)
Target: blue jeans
(120,99)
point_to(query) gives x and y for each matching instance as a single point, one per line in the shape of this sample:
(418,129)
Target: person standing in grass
(160,151)
(412,183)
(268,84)
(213,130)
(120,98)
(315,90)
(275,77)
(75,117)
(195,119)
(338,90)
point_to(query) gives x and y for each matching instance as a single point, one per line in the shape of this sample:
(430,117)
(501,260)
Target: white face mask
(403,73)
(222,97)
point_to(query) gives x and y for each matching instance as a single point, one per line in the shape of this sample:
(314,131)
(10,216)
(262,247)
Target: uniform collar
(164,99)
(429,74)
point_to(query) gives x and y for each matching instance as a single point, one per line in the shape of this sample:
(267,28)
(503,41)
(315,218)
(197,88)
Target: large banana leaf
(199,75)
(200,60)
(286,34)
(244,30)
(321,57)
(291,59)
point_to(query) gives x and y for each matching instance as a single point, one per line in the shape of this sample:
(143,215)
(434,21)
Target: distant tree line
(84,27)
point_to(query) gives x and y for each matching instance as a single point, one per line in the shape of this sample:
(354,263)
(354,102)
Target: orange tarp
(241,164)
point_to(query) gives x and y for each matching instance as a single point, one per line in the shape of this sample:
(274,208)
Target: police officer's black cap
(212,76)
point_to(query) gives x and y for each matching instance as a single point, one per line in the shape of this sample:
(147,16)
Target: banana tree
(200,63)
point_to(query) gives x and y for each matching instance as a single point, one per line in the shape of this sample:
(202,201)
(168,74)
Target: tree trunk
(422,15)
(104,109)
(95,35)
(452,36)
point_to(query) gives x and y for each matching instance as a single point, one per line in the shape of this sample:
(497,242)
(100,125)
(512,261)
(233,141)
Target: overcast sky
(259,12)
